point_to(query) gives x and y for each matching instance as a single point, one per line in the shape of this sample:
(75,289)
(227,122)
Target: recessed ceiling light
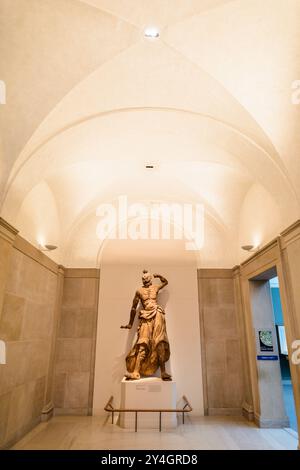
(151,32)
(150,165)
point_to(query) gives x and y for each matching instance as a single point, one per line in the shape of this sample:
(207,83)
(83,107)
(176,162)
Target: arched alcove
(122,263)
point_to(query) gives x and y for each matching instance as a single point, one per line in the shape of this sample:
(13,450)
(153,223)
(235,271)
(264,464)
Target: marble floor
(70,432)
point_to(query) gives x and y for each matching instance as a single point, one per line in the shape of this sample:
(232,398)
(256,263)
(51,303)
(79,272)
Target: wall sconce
(47,247)
(250,248)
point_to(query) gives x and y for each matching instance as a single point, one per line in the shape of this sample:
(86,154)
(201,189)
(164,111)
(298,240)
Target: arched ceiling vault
(92,140)
(90,101)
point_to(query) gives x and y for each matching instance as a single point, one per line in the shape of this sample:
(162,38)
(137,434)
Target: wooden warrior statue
(151,349)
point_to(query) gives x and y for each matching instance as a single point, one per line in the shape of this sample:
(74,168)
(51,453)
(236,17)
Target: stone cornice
(236,270)
(292,227)
(7,231)
(214,273)
(61,269)
(34,253)
(82,273)
(269,246)
(291,234)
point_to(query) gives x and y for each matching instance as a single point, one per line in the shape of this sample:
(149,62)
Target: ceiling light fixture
(250,248)
(151,33)
(47,247)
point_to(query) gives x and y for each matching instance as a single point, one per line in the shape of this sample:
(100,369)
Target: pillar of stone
(48,408)
(7,237)
(272,412)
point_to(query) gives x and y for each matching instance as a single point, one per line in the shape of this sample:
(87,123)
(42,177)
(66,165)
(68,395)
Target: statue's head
(146,278)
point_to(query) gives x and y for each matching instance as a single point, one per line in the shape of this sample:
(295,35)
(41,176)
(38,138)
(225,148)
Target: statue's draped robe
(151,332)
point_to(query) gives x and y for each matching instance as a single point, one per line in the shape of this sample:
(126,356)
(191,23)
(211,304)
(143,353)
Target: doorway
(277,406)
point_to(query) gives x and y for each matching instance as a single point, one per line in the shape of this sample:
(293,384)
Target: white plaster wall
(260,219)
(180,299)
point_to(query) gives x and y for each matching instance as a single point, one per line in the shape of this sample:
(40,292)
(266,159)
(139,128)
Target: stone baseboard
(248,412)
(71,411)
(47,412)
(224,412)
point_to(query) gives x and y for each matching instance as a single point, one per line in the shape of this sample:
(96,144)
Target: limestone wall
(221,342)
(27,325)
(75,345)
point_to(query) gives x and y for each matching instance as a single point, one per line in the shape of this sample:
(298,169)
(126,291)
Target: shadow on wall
(163,298)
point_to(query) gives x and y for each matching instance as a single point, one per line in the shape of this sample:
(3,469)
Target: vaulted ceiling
(90,101)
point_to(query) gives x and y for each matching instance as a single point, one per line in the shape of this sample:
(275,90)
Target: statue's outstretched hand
(128,327)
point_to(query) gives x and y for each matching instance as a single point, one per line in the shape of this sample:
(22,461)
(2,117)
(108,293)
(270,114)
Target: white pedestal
(148,393)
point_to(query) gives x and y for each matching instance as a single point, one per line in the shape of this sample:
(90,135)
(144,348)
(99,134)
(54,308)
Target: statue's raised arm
(162,279)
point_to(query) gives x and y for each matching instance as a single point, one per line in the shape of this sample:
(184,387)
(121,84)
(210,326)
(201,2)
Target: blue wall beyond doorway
(288,396)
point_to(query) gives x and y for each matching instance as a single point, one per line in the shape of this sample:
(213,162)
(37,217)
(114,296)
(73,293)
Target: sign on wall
(265,345)
(265,341)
